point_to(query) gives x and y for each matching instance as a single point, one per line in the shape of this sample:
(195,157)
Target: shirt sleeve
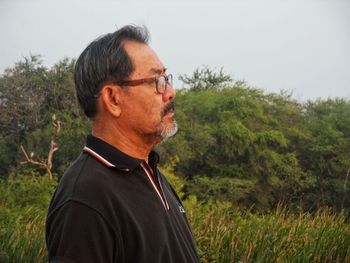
(77,233)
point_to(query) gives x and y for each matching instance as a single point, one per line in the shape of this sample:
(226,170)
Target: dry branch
(45,164)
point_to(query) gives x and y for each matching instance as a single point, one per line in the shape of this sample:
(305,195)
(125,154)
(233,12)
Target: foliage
(222,232)
(278,149)
(235,143)
(206,78)
(326,153)
(24,200)
(30,94)
(22,237)
(26,191)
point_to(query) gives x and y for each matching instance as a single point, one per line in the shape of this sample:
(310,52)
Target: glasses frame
(168,81)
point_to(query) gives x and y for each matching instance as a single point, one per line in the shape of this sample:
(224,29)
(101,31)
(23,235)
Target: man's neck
(128,143)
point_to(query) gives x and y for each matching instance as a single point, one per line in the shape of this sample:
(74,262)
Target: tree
(22,98)
(206,78)
(47,163)
(326,154)
(30,94)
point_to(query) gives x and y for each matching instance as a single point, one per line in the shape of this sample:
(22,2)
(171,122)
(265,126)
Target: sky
(298,46)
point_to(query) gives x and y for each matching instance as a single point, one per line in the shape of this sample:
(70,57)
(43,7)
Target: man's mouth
(169,108)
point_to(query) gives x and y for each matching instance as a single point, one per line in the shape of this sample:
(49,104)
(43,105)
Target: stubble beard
(165,130)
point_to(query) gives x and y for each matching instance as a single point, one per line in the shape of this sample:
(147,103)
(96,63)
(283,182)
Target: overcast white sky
(302,46)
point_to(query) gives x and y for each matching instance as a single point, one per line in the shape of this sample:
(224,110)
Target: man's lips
(169,108)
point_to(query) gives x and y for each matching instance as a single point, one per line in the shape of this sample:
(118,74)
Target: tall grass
(23,203)
(22,237)
(226,235)
(222,235)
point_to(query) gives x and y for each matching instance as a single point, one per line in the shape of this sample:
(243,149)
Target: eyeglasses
(161,82)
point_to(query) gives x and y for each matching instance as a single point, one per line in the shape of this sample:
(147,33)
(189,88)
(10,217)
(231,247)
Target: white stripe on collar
(99,157)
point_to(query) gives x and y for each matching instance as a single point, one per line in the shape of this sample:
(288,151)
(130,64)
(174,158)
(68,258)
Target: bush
(24,200)
(23,191)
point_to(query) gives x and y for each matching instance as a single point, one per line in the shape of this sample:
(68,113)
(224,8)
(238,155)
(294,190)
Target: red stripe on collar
(98,157)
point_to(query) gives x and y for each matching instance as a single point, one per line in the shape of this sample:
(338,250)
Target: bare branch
(47,165)
(30,160)
(25,153)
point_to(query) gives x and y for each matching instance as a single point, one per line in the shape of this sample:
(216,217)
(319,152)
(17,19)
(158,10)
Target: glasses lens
(161,84)
(170,80)
(163,81)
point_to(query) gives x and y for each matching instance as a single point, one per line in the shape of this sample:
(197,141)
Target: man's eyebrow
(158,71)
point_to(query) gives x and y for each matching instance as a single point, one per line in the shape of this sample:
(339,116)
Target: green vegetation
(238,144)
(223,233)
(226,235)
(23,204)
(264,178)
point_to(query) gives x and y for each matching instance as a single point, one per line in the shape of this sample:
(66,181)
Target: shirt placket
(158,190)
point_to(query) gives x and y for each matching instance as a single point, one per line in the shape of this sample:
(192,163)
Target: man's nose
(169,93)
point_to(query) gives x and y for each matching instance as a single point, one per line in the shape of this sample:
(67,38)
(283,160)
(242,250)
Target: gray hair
(104,60)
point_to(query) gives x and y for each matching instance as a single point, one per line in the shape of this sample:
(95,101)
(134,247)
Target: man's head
(105,75)
(104,60)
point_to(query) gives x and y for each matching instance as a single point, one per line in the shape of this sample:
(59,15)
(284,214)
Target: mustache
(169,107)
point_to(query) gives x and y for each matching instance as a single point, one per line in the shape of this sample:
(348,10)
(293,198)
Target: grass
(226,235)
(222,235)
(22,236)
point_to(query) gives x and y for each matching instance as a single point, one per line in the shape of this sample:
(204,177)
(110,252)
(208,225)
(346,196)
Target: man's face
(144,111)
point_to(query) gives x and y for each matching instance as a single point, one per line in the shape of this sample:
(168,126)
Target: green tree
(30,94)
(205,78)
(326,154)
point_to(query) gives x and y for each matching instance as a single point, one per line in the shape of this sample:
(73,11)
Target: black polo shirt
(110,207)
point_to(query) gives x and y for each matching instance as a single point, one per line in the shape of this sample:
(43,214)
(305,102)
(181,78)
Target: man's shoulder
(85,171)
(85,181)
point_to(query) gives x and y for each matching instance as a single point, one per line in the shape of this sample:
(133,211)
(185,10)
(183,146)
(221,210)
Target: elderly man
(113,204)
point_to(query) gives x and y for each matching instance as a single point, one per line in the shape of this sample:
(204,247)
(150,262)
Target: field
(223,234)
(226,235)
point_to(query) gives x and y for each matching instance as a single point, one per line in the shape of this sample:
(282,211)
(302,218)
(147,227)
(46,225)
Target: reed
(22,236)
(222,233)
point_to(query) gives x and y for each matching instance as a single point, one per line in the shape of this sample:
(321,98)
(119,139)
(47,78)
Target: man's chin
(167,130)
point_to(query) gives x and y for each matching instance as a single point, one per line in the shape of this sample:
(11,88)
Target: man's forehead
(144,58)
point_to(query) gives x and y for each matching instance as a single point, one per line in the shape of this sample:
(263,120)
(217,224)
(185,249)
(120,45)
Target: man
(112,204)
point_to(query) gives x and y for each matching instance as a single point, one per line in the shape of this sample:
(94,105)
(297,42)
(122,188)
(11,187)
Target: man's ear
(110,98)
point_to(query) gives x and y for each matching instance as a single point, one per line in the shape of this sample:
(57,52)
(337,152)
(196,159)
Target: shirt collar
(112,157)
